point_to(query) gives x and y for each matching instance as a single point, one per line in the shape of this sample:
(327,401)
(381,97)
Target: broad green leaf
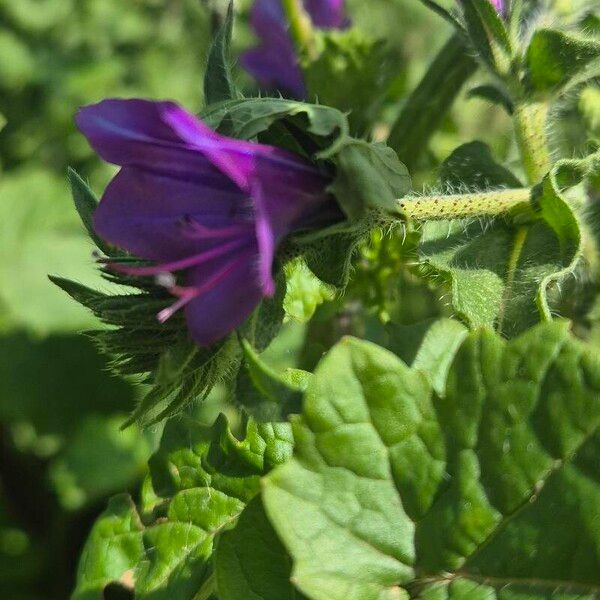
(112,551)
(218,80)
(304,291)
(472,258)
(251,562)
(369,177)
(200,480)
(554,58)
(205,476)
(490,491)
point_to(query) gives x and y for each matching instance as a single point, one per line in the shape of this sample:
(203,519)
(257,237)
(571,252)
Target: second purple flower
(274,62)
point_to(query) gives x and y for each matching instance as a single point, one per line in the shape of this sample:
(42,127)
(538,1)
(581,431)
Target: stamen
(184,263)
(187,294)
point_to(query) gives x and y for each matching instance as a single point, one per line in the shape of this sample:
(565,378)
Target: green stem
(300,26)
(529,121)
(460,206)
(530,128)
(427,106)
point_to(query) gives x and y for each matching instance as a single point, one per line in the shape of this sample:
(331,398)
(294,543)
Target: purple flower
(274,62)
(209,207)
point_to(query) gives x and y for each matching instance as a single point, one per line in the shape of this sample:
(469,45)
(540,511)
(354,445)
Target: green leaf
(205,477)
(493,94)
(247,118)
(424,111)
(472,259)
(429,347)
(179,371)
(304,291)
(112,551)
(218,80)
(555,58)
(265,394)
(251,562)
(492,490)
(351,72)
(472,167)
(86,203)
(369,178)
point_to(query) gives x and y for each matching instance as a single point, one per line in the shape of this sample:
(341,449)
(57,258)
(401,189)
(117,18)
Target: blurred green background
(62,453)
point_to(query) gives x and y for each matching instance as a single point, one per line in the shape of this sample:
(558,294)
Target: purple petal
(274,62)
(500,6)
(215,313)
(144,213)
(327,14)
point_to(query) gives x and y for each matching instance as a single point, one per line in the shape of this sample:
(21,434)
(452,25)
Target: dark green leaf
(426,108)
(493,94)
(369,177)
(251,562)
(218,80)
(472,167)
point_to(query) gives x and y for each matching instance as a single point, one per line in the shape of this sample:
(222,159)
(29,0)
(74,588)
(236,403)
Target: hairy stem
(460,206)
(429,103)
(300,24)
(530,128)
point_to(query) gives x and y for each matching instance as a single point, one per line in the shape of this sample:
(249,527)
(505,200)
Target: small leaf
(304,291)
(218,80)
(493,94)
(555,58)
(86,203)
(112,551)
(472,167)
(247,118)
(369,177)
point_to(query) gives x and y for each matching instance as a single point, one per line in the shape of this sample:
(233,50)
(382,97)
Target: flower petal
(215,313)
(145,213)
(327,14)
